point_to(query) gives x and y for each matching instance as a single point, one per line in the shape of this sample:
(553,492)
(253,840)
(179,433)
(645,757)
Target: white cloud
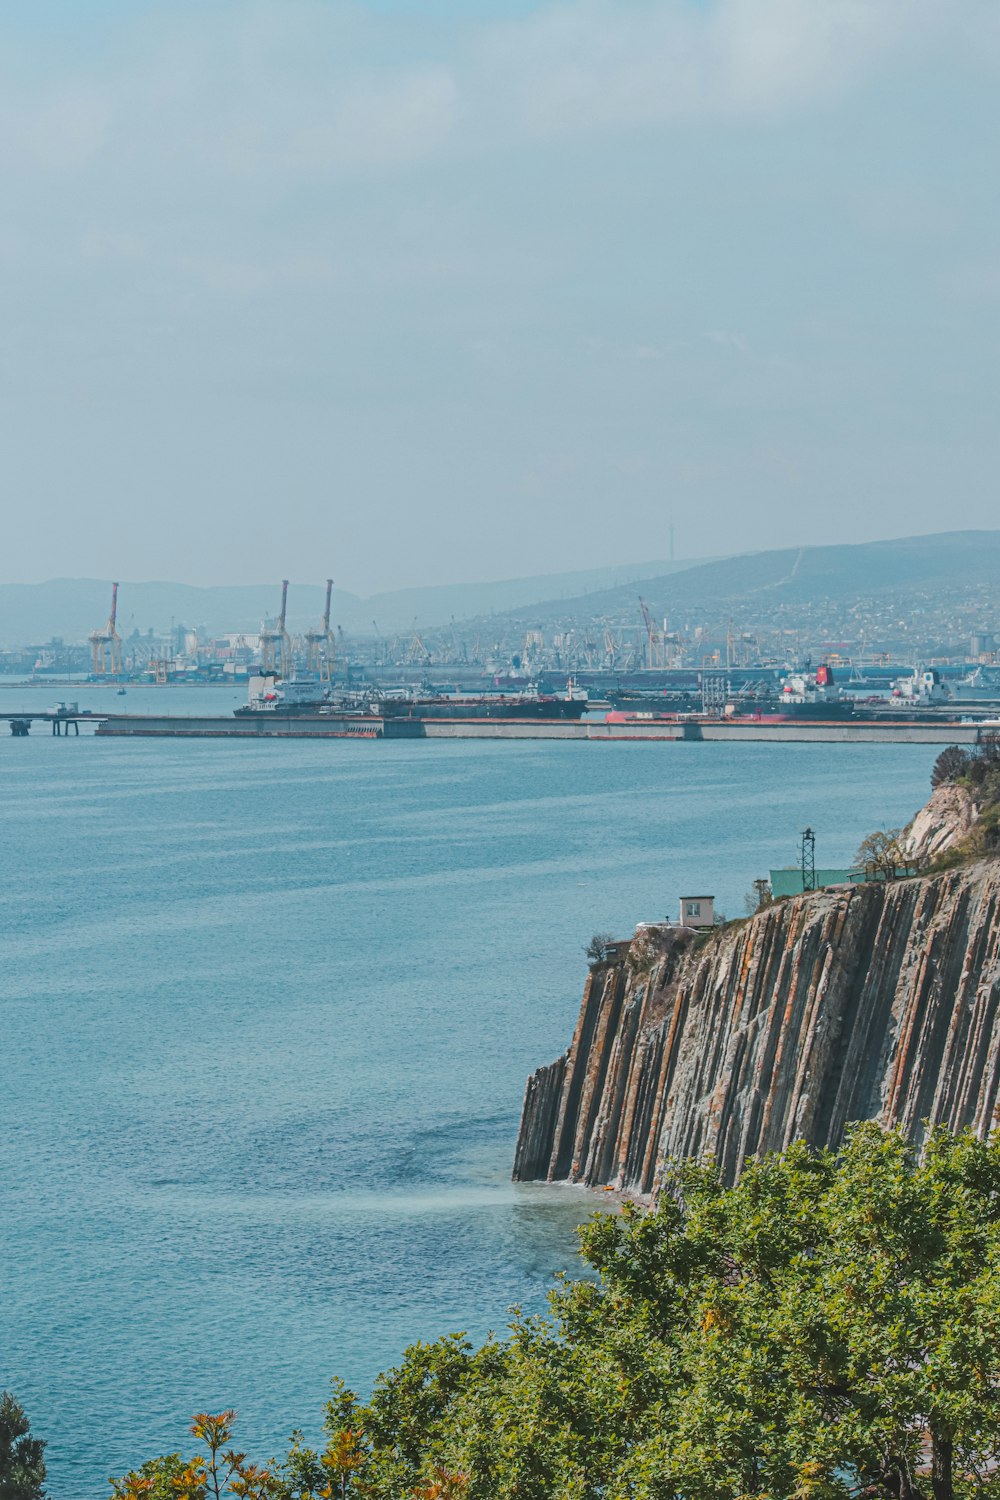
(267,87)
(677,229)
(592,63)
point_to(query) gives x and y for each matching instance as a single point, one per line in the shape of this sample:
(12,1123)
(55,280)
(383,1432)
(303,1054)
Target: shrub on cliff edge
(597,949)
(884,855)
(977,770)
(950,765)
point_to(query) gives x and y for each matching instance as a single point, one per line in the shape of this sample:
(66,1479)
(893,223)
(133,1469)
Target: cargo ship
(797,695)
(812,695)
(818,697)
(309,699)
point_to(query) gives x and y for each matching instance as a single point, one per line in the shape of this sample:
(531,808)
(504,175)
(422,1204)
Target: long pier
(61,723)
(332,726)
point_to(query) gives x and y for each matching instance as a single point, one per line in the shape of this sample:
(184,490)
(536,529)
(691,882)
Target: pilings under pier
(62,724)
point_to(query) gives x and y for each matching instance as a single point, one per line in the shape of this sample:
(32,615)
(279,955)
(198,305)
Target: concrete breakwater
(869,1002)
(344,726)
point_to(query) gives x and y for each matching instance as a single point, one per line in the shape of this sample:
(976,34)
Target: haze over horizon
(416,297)
(953,571)
(580,580)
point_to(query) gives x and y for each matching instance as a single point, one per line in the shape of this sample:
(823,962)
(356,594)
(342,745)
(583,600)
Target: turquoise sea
(267,1014)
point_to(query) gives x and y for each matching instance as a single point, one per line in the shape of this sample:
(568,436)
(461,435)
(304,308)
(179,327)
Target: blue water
(267,1013)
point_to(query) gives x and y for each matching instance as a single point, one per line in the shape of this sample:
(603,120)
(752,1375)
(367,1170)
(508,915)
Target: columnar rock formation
(865,1002)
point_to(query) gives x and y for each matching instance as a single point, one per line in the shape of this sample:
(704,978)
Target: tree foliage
(597,949)
(22,1457)
(220,1470)
(978,770)
(830,1327)
(883,855)
(951,765)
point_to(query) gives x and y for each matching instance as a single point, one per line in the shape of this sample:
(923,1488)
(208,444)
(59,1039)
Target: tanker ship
(270,696)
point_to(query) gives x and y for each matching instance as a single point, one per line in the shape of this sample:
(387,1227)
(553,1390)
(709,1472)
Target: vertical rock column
(862,1002)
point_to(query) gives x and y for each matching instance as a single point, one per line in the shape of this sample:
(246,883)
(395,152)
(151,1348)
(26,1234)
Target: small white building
(697,911)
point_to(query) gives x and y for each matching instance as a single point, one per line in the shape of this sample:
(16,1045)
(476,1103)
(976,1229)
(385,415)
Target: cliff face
(868,1002)
(947,819)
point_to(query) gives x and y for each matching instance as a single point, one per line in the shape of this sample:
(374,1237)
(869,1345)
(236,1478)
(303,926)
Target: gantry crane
(106,644)
(275,647)
(321,646)
(655,644)
(417,651)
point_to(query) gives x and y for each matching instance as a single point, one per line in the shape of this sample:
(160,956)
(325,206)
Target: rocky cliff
(947,819)
(863,1002)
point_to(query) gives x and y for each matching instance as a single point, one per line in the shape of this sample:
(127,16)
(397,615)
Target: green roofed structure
(788,882)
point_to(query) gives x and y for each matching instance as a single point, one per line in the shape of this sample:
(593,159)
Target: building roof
(788,882)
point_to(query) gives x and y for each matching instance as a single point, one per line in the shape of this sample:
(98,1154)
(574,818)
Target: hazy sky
(428,291)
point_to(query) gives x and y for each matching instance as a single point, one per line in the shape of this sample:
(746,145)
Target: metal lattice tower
(808,860)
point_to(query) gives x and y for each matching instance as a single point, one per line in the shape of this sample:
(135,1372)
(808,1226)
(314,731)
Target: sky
(419,291)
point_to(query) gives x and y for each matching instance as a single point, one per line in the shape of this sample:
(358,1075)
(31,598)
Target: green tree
(166,1478)
(220,1471)
(827,1328)
(22,1461)
(952,763)
(597,949)
(883,855)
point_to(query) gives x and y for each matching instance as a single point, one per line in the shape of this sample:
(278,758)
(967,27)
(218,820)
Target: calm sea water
(267,1013)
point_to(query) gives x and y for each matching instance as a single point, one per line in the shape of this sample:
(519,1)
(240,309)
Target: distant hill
(752,586)
(72,607)
(797,575)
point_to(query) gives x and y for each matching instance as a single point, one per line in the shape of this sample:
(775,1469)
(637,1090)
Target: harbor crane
(417,651)
(106,644)
(321,645)
(275,647)
(612,651)
(655,643)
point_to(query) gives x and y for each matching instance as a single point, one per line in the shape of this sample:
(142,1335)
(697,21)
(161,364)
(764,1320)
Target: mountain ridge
(798,575)
(71,608)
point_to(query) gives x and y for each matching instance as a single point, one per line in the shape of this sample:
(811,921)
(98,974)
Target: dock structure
(334,726)
(243,727)
(936,730)
(61,723)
